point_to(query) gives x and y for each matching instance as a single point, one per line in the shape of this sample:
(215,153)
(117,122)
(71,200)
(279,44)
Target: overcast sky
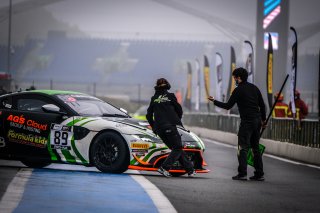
(156,17)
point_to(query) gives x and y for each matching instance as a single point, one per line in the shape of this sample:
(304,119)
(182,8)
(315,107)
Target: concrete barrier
(277,148)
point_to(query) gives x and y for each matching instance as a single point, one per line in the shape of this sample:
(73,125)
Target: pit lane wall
(226,133)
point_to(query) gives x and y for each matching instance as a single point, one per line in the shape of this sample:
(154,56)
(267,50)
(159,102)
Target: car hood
(186,135)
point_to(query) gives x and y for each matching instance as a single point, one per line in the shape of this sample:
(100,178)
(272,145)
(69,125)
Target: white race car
(40,127)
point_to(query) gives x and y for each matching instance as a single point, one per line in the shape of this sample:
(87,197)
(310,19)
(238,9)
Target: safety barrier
(305,132)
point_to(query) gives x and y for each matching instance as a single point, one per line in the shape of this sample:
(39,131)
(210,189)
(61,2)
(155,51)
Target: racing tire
(35,163)
(109,153)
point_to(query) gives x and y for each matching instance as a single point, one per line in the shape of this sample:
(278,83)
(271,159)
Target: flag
(232,67)
(206,74)
(219,85)
(187,101)
(249,61)
(197,103)
(270,71)
(293,42)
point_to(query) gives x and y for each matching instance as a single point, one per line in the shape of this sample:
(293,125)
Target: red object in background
(4,75)
(179,96)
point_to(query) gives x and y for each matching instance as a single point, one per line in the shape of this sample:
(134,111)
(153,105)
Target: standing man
(164,114)
(253,115)
(301,107)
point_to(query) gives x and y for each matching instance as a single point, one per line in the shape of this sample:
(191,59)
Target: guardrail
(305,133)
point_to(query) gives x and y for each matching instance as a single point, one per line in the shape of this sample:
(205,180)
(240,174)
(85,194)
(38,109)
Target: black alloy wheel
(109,153)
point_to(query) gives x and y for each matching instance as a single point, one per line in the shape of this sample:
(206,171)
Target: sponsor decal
(27,124)
(121,125)
(8,106)
(71,99)
(139,152)
(60,137)
(2,142)
(27,139)
(139,146)
(189,145)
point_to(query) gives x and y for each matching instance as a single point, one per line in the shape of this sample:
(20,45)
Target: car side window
(29,104)
(6,103)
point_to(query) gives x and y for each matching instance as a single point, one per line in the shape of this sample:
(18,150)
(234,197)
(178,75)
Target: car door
(27,126)
(5,106)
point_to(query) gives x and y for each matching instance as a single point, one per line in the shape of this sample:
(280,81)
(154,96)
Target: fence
(305,133)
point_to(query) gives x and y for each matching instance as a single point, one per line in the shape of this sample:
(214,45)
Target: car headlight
(80,132)
(147,138)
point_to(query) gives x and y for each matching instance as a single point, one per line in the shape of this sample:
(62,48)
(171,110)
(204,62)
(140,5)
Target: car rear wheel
(109,153)
(35,163)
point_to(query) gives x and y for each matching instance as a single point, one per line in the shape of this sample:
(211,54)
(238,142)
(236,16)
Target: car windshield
(86,105)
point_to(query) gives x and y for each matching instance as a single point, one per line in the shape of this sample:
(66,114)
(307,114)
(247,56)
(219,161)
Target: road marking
(15,190)
(267,155)
(19,190)
(159,199)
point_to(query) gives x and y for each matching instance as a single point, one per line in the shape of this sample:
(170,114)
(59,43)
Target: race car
(40,127)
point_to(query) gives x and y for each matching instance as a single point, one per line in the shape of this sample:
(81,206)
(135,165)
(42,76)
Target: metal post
(94,88)
(51,84)
(9,38)
(139,94)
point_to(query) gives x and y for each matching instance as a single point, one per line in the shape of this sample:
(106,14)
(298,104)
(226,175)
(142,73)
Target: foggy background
(118,48)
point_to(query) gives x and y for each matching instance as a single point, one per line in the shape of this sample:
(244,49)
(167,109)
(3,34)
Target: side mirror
(123,110)
(51,108)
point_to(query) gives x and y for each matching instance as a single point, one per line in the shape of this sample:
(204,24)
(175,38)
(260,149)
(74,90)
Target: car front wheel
(109,153)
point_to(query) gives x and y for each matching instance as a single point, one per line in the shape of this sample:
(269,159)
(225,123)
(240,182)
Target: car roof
(47,92)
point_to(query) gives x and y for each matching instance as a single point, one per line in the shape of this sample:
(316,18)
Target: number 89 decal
(60,136)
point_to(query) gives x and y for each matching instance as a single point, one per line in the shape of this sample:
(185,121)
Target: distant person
(32,87)
(301,107)
(281,109)
(2,90)
(164,115)
(253,115)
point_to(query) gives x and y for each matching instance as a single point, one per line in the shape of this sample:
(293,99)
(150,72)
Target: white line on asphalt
(160,201)
(11,198)
(267,155)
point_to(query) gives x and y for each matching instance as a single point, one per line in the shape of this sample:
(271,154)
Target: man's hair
(240,72)
(162,83)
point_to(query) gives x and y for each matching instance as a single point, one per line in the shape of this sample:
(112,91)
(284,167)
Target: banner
(232,67)
(206,75)
(197,102)
(270,72)
(293,43)
(249,61)
(187,100)
(219,85)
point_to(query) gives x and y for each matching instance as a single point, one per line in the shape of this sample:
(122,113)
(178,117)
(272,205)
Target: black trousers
(249,136)
(171,137)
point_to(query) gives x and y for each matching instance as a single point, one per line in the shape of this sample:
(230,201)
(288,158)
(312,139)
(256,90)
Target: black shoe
(239,177)
(257,178)
(192,173)
(164,172)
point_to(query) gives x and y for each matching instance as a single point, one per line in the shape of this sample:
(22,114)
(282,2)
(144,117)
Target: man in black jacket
(164,114)
(253,115)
